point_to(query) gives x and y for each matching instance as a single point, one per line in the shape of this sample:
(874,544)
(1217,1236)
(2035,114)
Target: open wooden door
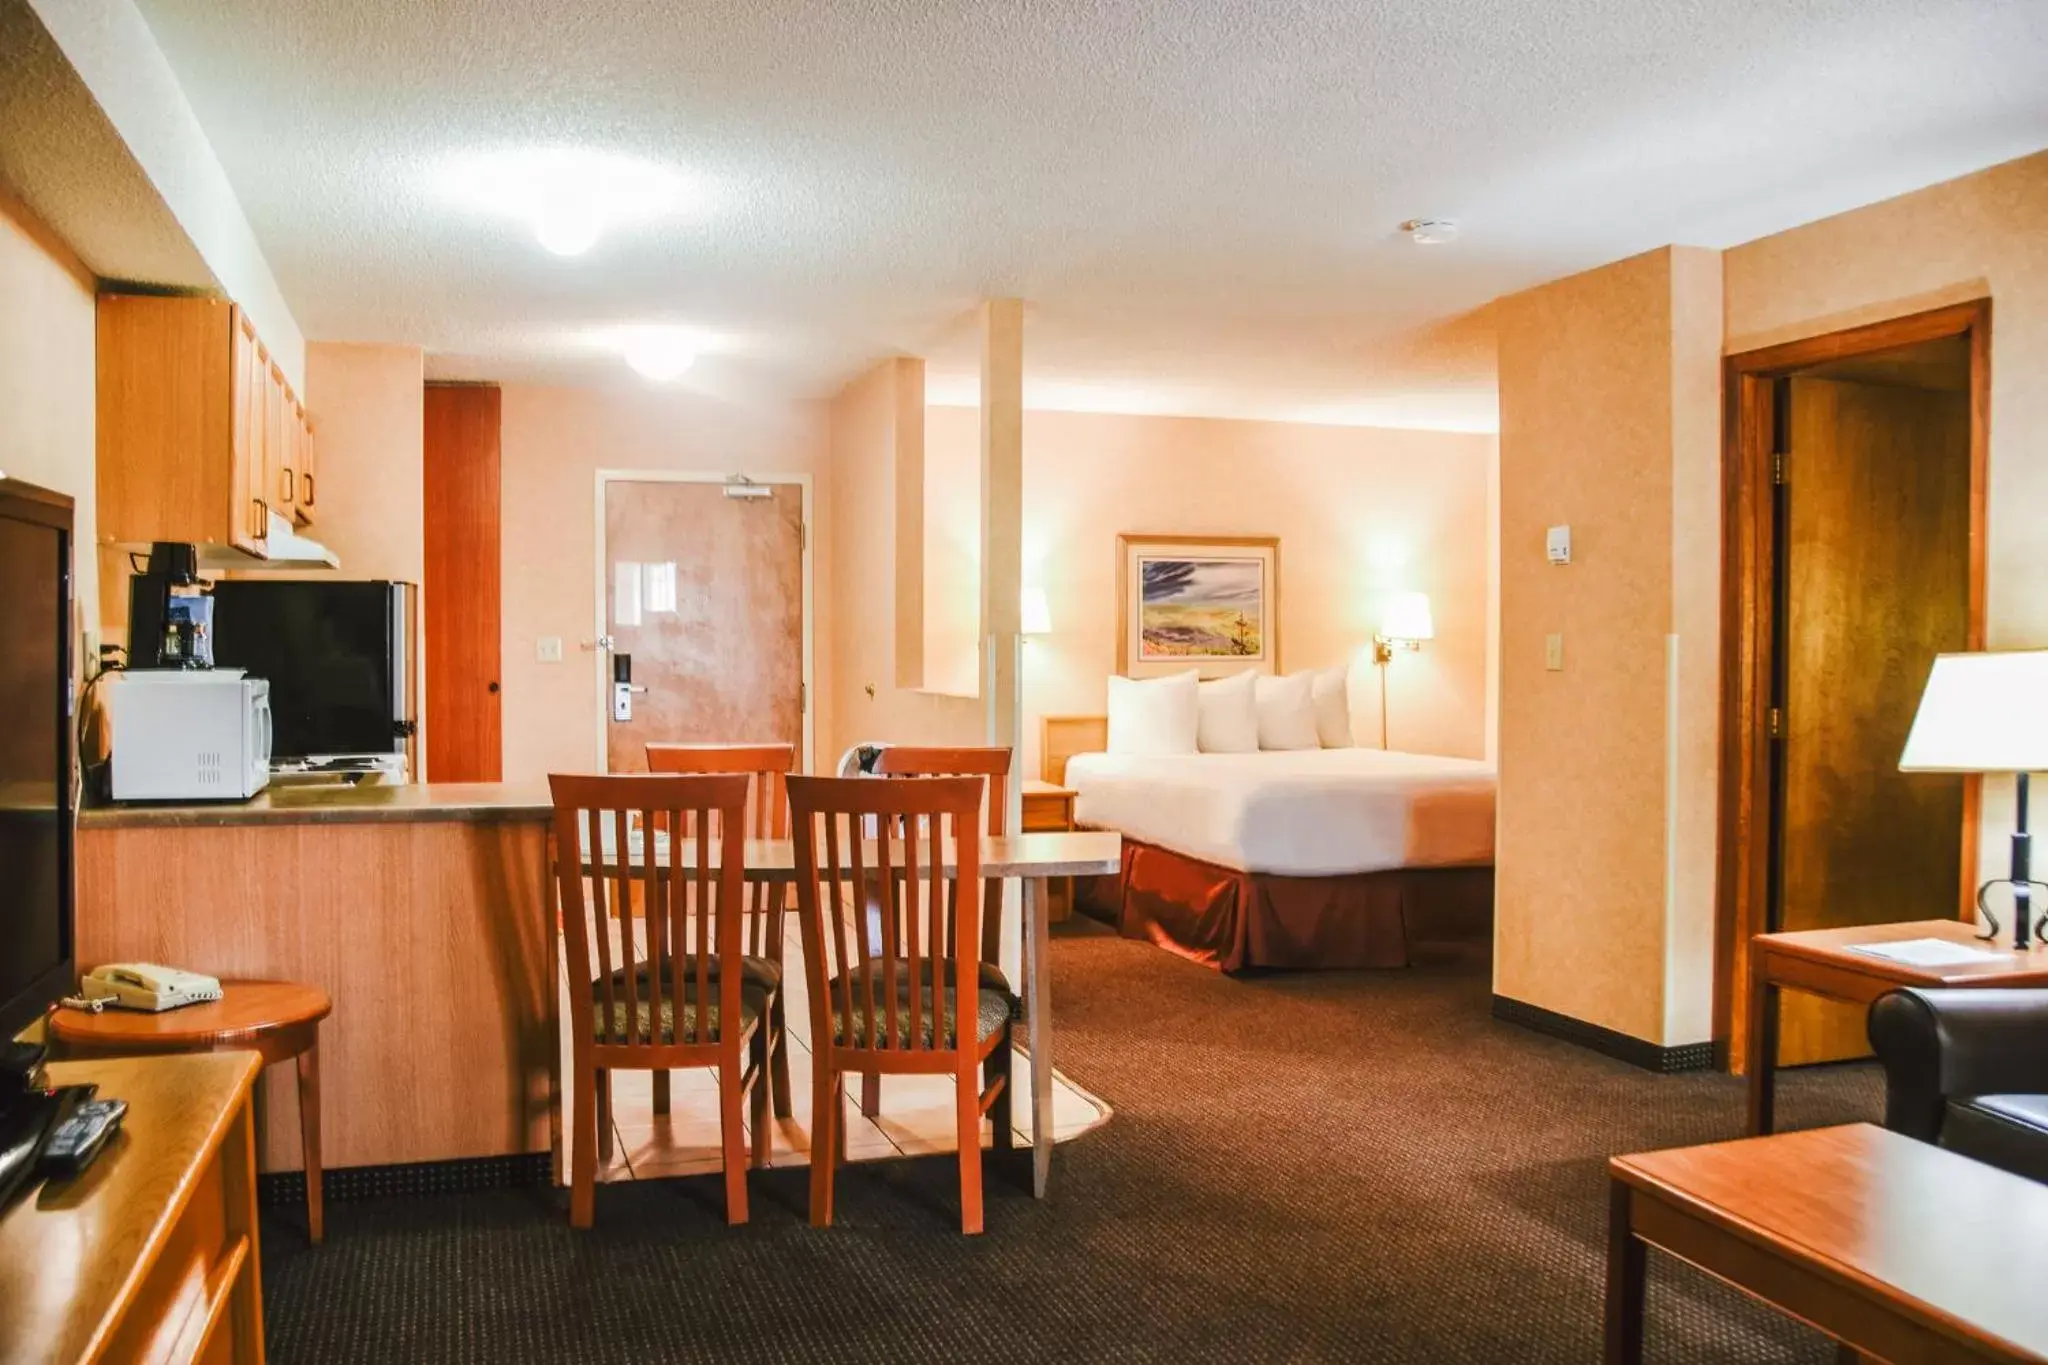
(1876,581)
(462,592)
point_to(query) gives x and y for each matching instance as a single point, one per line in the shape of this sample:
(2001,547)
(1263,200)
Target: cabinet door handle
(291,483)
(262,519)
(307,500)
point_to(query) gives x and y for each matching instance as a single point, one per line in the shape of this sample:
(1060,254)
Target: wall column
(1002,522)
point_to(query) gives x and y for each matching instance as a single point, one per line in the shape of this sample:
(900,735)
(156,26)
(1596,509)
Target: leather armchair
(1968,1069)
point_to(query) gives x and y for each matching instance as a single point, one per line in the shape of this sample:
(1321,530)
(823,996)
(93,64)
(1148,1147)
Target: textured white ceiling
(1198,199)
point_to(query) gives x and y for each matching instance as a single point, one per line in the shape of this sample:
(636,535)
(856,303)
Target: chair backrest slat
(663,862)
(990,762)
(919,946)
(767,815)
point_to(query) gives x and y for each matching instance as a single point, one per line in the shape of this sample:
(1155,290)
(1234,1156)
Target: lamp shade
(1982,713)
(1407,618)
(1033,615)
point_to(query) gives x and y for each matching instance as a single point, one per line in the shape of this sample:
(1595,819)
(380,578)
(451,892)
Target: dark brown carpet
(1355,1167)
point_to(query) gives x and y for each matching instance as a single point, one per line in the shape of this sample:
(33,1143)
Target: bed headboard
(1061,737)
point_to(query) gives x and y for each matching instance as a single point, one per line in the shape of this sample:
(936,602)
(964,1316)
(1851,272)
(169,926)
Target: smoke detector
(1431,231)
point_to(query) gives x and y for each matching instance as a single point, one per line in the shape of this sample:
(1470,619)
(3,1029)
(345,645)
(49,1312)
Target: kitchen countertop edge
(479,803)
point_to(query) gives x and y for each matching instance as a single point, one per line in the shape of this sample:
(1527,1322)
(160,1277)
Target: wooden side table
(1825,962)
(278,1020)
(1050,809)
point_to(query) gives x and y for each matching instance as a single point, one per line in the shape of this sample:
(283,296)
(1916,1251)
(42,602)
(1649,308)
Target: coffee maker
(170,612)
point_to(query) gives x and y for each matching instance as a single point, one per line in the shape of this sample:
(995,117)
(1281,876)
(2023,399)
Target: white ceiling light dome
(569,196)
(660,353)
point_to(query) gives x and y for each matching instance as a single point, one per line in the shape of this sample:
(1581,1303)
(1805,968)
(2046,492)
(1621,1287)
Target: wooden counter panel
(430,937)
(366,803)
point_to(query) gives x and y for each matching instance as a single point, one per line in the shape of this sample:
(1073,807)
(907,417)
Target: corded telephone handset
(147,986)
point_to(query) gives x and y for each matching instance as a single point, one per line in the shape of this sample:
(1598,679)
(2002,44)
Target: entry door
(1876,528)
(704,595)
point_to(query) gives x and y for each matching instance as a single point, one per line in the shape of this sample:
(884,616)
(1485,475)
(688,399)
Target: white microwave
(189,734)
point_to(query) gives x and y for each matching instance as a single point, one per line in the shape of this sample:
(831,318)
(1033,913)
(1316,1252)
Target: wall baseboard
(412,1178)
(1620,1046)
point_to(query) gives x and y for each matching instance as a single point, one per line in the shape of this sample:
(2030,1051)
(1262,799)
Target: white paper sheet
(1929,952)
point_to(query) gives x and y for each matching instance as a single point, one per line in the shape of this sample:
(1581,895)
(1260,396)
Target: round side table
(278,1020)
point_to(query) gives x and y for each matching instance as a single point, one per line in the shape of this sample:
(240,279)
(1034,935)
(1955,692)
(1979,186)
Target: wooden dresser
(151,1255)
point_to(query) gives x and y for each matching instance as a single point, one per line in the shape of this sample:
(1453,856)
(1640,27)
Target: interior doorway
(1855,478)
(704,600)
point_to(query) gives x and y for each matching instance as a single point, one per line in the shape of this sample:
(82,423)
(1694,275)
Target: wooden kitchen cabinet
(200,437)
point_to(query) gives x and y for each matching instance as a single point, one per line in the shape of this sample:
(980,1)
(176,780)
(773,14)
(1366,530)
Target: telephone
(147,986)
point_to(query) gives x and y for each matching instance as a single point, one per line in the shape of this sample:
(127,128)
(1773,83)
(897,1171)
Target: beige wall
(554,442)
(1600,414)
(874,435)
(47,358)
(1360,513)
(367,404)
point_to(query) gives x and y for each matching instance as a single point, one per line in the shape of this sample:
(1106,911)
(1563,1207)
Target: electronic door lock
(623,687)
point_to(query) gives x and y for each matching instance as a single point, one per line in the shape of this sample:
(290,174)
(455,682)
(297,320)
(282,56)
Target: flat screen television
(37,816)
(334,653)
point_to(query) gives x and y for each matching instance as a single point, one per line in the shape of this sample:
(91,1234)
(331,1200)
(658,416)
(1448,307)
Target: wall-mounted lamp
(1033,614)
(1405,626)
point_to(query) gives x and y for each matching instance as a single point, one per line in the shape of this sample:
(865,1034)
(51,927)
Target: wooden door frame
(601,674)
(1748,610)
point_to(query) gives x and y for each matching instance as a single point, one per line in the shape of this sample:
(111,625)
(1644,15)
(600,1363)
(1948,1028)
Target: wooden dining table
(1034,859)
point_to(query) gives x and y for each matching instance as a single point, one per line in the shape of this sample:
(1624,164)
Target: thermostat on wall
(1558,545)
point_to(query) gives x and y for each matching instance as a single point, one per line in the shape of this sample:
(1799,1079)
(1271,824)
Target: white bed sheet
(1303,813)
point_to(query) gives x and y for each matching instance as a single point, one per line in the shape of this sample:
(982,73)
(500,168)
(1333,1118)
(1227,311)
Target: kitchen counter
(325,803)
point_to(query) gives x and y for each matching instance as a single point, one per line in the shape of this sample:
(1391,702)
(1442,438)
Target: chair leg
(824,1140)
(660,1087)
(778,1057)
(1000,1067)
(733,1138)
(583,1159)
(603,1110)
(871,1094)
(763,1130)
(967,1101)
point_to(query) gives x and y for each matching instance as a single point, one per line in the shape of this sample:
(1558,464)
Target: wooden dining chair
(767,766)
(991,763)
(663,859)
(918,1008)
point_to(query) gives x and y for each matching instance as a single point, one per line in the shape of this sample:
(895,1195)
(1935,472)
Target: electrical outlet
(548,649)
(1553,653)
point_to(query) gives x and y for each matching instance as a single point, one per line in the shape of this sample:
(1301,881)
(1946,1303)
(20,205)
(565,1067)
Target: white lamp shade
(1034,616)
(1408,618)
(1982,713)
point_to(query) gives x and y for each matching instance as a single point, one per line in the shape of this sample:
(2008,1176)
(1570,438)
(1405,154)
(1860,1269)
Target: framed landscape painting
(1211,603)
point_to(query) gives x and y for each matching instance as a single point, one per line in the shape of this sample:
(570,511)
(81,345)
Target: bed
(1316,858)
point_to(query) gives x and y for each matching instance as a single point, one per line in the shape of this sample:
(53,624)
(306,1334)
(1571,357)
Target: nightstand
(1050,809)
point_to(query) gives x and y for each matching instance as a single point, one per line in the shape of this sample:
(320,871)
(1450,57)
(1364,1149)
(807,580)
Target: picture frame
(1211,603)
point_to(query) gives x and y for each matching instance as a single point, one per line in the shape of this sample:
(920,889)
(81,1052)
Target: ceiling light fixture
(1431,231)
(569,197)
(659,353)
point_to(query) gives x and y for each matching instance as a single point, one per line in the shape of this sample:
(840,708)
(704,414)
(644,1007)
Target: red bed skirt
(1235,921)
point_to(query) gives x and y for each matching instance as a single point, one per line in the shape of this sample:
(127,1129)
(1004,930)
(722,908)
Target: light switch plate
(1557,545)
(548,649)
(1553,653)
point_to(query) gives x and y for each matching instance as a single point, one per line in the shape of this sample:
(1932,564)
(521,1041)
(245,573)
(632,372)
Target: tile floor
(916,1116)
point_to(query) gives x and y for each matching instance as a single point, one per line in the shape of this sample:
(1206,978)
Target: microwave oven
(189,734)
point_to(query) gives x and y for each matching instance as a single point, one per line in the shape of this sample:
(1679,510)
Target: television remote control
(78,1137)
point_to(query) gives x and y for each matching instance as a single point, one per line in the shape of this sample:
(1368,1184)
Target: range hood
(287,550)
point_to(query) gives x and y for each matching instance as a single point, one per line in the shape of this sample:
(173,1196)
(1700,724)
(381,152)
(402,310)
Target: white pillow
(1153,715)
(1228,719)
(1287,712)
(1331,693)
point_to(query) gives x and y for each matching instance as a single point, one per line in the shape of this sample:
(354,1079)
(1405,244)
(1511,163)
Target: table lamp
(1405,626)
(1988,713)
